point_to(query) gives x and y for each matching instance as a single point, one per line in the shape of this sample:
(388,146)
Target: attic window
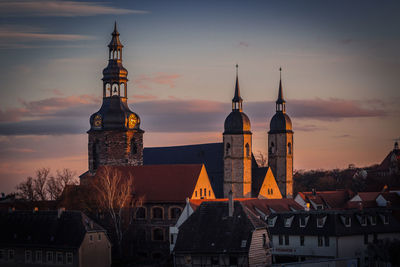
(303,221)
(363,220)
(271,221)
(346,220)
(321,221)
(288,221)
(373,219)
(243,245)
(385,218)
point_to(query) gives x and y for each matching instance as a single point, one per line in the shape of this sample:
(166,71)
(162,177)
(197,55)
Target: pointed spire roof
(115,42)
(280,99)
(237,97)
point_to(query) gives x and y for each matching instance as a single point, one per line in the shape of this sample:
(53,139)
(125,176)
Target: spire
(237,100)
(115,43)
(280,102)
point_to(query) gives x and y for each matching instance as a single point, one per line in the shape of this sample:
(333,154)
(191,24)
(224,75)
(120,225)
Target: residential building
(52,238)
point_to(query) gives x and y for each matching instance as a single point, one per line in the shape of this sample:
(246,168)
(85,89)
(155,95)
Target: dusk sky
(340,71)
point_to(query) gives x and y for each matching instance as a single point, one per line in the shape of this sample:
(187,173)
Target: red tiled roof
(334,199)
(368,196)
(162,183)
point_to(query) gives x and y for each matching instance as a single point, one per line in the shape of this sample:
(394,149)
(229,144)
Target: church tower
(115,137)
(237,149)
(280,146)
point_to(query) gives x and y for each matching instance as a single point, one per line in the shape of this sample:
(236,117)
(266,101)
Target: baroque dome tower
(280,146)
(115,137)
(237,139)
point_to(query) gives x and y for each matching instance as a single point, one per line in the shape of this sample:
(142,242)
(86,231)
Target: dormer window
(303,221)
(373,219)
(346,220)
(385,218)
(321,221)
(288,221)
(363,220)
(271,221)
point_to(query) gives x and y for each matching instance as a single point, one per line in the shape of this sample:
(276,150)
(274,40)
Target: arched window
(158,213)
(247,150)
(228,149)
(271,149)
(114,89)
(174,212)
(272,191)
(268,191)
(108,89)
(133,146)
(289,148)
(141,213)
(122,88)
(158,234)
(201,192)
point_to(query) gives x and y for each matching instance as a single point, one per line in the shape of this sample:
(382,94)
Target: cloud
(31,36)
(342,136)
(69,115)
(144,81)
(60,9)
(143,97)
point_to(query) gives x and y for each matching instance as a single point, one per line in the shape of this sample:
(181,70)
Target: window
(233,260)
(209,193)
(158,234)
(365,239)
(373,220)
(174,212)
(243,244)
(69,258)
(158,213)
(205,192)
(286,240)
(201,192)
(264,240)
(99,237)
(195,193)
(347,221)
(320,241)
(272,191)
(302,240)
(28,256)
(385,219)
(326,241)
(302,221)
(363,220)
(227,149)
(38,256)
(272,148)
(91,238)
(289,148)
(320,222)
(268,192)
(141,213)
(59,257)
(49,256)
(280,239)
(247,150)
(11,254)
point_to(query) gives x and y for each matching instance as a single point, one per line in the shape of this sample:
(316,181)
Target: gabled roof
(386,163)
(211,155)
(165,183)
(257,179)
(334,223)
(210,230)
(330,199)
(45,229)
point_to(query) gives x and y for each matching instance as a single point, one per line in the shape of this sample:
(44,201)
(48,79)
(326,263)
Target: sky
(340,73)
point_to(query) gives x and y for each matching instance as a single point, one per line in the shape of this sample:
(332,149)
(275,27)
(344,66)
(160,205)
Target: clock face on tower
(132,121)
(97,121)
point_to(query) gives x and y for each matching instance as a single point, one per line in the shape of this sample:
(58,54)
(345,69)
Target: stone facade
(280,159)
(237,164)
(122,148)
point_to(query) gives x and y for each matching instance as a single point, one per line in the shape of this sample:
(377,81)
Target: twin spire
(237,101)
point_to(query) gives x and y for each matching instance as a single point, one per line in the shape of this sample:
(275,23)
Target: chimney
(230,203)
(59,212)
(35,209)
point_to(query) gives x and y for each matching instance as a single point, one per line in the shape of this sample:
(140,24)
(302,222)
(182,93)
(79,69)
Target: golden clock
(132,121)
(97,121)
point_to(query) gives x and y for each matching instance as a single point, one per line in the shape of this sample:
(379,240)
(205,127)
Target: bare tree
(261,159)
(25,189)
(114,194)
(56,185)
(39,183)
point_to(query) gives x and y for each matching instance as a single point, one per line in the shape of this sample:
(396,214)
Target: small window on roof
(373,219)
(244,242)
(346,220)
(321,221)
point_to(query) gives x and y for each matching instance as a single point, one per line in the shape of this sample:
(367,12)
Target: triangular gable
(269,188)
(203,188)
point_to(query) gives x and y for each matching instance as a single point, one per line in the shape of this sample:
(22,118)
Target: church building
(116,139)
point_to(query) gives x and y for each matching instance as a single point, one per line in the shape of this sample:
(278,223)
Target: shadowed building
(52,238)
(280,146)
